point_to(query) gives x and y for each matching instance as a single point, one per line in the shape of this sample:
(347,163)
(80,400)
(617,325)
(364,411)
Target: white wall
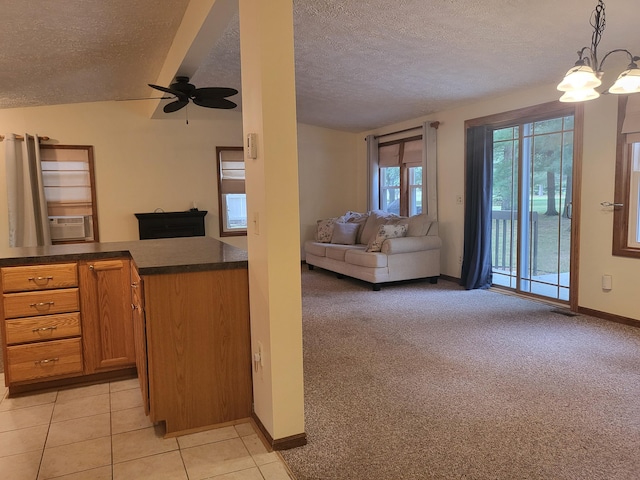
(143,164)
(328,172)
(597,186)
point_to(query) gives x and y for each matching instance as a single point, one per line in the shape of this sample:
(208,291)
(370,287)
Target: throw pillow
(345,233)
(376,218)
(324,230)
(385,232)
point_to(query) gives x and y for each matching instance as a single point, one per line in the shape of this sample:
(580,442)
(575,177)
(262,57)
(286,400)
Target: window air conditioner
(67,228)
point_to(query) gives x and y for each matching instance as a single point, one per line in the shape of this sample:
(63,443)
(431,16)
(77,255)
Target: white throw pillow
(345,233)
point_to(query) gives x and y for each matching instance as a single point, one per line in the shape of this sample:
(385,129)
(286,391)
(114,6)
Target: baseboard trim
(285,443)
(450,279)
(49,385)
(610,316)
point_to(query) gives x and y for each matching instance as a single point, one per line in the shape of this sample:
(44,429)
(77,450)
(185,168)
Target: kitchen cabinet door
(105,301)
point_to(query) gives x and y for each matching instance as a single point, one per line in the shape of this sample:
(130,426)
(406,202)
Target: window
(400,164)
(69,187)
(232,201)
(626,216)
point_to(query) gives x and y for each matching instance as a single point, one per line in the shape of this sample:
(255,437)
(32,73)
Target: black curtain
(476,259)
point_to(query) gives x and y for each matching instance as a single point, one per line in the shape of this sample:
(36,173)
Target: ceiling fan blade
(175,106)
(215,103)
(165,89)
(213,92)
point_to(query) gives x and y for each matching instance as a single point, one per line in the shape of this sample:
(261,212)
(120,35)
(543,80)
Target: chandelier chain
(598,22)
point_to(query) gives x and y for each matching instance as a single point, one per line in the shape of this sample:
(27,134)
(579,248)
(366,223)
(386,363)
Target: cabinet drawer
(39,277)
(47,302)
(49,327)
(45,359)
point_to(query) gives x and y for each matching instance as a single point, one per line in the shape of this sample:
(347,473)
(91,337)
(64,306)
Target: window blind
(401,152)
(232,171)
(631,124)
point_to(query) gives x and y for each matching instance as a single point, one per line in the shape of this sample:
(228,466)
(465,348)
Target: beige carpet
(422,381)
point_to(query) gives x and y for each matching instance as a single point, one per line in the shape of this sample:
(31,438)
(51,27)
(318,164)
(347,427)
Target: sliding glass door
(532,206)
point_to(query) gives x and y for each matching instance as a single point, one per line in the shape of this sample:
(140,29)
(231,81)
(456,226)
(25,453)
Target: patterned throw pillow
(385,232)
(324,230)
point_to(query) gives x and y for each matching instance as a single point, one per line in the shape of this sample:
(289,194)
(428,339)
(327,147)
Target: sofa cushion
(338,252)
(361,258)
(419,225)
(315,248)
(384,232)
(324,230)
(345,233)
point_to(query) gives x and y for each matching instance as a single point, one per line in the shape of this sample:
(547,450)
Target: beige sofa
(384,248)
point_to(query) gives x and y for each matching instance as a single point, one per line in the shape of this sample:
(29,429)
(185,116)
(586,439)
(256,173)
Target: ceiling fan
(183,91)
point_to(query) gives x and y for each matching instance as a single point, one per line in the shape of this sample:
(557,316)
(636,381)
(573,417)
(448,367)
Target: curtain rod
(432,124)
(20,137)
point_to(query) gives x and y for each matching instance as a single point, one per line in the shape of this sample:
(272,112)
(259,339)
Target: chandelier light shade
(581,80)
(579,95)
(628,81)
(579,77)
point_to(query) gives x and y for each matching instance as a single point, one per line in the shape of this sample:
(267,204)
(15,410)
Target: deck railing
(501,229)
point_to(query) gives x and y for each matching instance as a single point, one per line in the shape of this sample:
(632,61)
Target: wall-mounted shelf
(171,224)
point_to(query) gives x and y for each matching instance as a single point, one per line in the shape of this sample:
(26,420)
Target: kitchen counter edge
(152,257)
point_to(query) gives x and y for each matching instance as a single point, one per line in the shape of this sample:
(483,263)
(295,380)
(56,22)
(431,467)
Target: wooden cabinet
(198,344)
(140,335)
(105,297)
(41,327)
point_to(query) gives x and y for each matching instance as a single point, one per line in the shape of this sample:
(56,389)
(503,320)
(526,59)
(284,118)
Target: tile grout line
(111,433)
(44,445)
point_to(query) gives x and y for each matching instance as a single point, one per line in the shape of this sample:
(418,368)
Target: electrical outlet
(459,199)
(460,259)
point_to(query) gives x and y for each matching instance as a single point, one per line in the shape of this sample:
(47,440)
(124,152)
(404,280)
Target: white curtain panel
(373,200)
(28,219)
(430,170)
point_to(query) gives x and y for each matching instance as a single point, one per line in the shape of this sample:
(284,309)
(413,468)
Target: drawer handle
(48,360)
(41,304)
(42,329)
(40,281)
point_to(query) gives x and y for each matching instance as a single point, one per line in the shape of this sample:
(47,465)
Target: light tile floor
(100,432)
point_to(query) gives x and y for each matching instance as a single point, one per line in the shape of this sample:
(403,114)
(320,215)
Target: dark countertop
(166,255)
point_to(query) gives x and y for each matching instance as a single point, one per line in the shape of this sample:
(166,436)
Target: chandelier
(580,81)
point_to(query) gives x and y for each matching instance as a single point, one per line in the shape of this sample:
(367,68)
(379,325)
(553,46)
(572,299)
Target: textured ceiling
(70,51)
(360,64)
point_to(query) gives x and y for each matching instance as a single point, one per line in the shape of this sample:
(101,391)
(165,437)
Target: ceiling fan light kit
(183,92)
(580,81)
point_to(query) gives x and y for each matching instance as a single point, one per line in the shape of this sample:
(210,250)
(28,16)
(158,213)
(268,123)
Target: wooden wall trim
(609,316)
(285,443)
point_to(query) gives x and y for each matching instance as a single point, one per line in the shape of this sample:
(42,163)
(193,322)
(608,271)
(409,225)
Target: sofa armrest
(410,244)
